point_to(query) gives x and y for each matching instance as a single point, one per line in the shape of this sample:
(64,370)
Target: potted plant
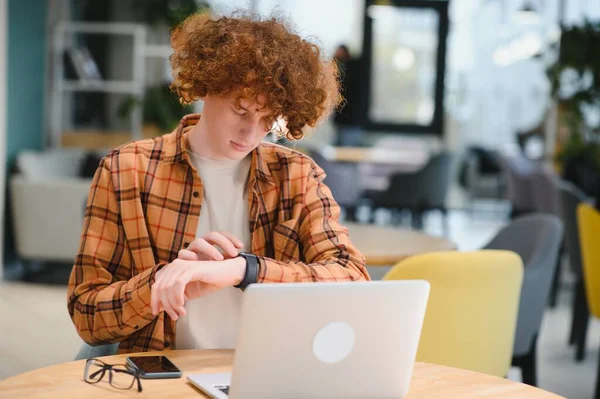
(575,81)
(168,12)
(161,109)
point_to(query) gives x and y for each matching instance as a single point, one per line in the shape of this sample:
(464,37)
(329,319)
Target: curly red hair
(252,57)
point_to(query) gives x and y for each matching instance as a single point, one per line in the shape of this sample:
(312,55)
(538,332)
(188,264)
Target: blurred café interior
(468,125)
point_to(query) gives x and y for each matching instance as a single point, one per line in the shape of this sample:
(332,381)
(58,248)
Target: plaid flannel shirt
(143,207)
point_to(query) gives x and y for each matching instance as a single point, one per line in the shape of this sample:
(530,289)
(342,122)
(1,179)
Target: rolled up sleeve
(327,251)
(105,303)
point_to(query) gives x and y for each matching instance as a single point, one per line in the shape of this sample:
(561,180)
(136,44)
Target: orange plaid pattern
(143,207)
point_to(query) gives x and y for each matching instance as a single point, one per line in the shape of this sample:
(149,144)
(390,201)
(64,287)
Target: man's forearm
(328,269)
(113,312)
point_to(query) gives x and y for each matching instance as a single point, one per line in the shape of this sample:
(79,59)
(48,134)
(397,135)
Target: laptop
(324,340)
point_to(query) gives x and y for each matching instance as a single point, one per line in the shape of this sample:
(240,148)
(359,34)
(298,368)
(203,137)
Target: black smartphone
(154,367)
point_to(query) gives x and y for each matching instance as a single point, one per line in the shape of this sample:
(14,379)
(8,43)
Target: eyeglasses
(119,375)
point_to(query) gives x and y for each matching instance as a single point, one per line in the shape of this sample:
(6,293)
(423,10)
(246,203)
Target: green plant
(579,56)
(577,147)
(169,12)
(160,107)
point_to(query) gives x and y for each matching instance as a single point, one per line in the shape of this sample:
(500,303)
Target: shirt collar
(259,169)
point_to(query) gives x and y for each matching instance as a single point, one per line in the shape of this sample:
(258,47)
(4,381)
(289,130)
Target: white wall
(488,102)
(3,123)
(330,22)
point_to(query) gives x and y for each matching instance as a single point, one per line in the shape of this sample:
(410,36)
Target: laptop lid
(328,340)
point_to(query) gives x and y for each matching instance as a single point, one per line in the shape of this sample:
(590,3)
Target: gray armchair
(537,239)
(88,351)
(479,175)
(544,185)
(437,175)
(544,190)
(517,172)
(421,191)
(375,176)
(569,198)
(342,180)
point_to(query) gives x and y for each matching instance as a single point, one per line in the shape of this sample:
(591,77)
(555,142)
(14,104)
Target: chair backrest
(517,172)
(435,180)
(403,190)
(51,164)
(529,236)
(588,220)
(319,159)
(569,198)
(537,239)
(422,189)
(472,309)
(342,179)
(544,187)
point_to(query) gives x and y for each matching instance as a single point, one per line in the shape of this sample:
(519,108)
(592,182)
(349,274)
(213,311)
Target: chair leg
(528,365)
(575,309)
(350,213)
(580,355)
(372,213)
(28,274)
(581,316)
(556,281)
(597,389)
(529,370)
(581,335)
(396,217)
(417,219)
(420,220)
(445,222)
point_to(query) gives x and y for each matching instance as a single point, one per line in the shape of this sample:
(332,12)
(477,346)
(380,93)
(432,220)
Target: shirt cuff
(137,310)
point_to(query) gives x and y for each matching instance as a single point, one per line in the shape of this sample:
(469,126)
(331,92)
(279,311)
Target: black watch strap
(251,275)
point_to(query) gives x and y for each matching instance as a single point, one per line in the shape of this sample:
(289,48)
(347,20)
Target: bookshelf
(64,34)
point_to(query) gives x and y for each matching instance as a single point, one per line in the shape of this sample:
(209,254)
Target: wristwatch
(251,275)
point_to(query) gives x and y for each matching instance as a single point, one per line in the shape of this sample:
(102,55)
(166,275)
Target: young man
(148,264)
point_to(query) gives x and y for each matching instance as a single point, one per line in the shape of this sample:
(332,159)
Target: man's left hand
(170,288)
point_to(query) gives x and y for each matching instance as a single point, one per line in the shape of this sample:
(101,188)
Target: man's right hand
(205,247)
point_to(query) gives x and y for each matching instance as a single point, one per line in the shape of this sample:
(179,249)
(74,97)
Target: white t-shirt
(212,322)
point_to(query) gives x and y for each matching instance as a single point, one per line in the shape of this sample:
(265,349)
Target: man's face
(232,132)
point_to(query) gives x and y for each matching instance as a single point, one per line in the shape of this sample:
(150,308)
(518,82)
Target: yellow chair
(472,310)
(588,221)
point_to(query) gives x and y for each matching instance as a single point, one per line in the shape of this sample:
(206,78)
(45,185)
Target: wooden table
(377,155)
(66,381)
(386,246)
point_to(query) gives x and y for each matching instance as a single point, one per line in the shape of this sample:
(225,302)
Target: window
(404,47)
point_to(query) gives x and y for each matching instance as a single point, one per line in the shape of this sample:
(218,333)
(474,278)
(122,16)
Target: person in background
(347,118)
(177,226)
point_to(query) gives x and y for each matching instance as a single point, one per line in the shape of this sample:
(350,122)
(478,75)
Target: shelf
(98,140)
(111,28)
(159,51)
(101,86)
(64,38)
